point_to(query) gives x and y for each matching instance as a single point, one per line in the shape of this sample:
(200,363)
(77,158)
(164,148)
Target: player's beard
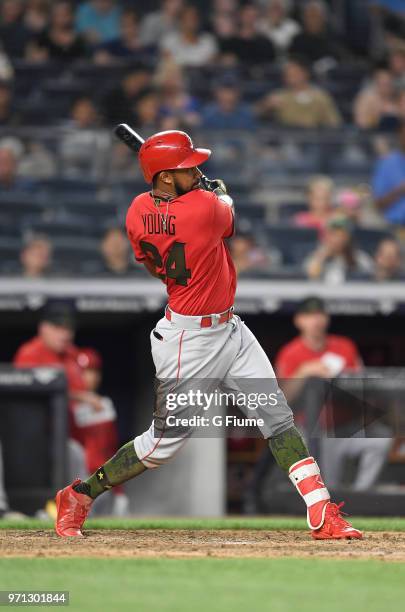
(180,190)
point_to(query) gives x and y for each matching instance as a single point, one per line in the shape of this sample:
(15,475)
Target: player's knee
(154,452)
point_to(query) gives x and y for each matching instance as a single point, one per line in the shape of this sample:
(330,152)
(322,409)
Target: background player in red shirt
(316,354)
(53,347)
(178,230)
(98,428)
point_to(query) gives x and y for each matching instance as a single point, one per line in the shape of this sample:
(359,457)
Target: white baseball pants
(227,356)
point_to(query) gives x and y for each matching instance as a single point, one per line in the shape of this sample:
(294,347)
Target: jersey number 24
(175,262)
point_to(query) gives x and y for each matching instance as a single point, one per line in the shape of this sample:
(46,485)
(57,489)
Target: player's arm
(224,216)
(391,196)
(384,192)
(151,268)
(223,213)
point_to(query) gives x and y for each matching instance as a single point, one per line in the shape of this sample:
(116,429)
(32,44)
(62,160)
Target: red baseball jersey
(34,354)
(184,239)
(337,348)
(296,353)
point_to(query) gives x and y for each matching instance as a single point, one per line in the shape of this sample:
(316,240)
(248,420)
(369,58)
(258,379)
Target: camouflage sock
(288,448)
(123,466)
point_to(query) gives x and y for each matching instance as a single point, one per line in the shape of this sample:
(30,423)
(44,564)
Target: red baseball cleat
(335,527)
(72,510)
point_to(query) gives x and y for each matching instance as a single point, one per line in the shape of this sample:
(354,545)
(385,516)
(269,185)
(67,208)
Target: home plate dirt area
(189,543)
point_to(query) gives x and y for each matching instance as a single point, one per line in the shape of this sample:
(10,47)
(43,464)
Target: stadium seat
(29,76)
(89,207)
(64,227)
(17,204)
(9,254)
(295,243)
(62,186)
(368,239)
(350,168)
(69,253)
(8,227)
(104,77)
(287,210)
(253,212)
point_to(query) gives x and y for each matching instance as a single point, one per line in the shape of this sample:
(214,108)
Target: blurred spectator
(36,257)
(147,112)
(396,6)
(190,46)
(389,182)
(8,116)
(37,161)
(13,33)
(83,147)
(179,109)
(84,114)
(348,202)
(60,40)
(36,15)
(337,259)
(6,68)
(388,261)
(121,163)
(34,53)
(119,103)
(396,62)
(127,46)
(228,112)
(376,105)
(248,256)
(223,24)
(320,192)
(388,19)
(316,41)
(156,25)
(225,7)
(115,251)
(98,20)
(248,45)
(278,26)
(300,104)
(97,429)
(401,106)
(9,180)
(315,354)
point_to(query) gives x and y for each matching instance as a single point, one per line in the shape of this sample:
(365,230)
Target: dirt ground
(385,546)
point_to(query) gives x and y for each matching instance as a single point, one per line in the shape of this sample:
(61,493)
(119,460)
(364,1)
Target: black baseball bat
(129,137)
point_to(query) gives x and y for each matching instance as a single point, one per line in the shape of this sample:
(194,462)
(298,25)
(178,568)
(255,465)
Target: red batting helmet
(89,359)
(171,150)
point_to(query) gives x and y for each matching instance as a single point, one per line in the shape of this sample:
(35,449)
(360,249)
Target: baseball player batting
(177,230)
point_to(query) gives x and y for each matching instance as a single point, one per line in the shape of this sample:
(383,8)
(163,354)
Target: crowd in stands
(303,104)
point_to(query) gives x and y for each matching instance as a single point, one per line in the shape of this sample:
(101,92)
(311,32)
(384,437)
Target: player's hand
(94,400)
(315,368)
(217,186)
